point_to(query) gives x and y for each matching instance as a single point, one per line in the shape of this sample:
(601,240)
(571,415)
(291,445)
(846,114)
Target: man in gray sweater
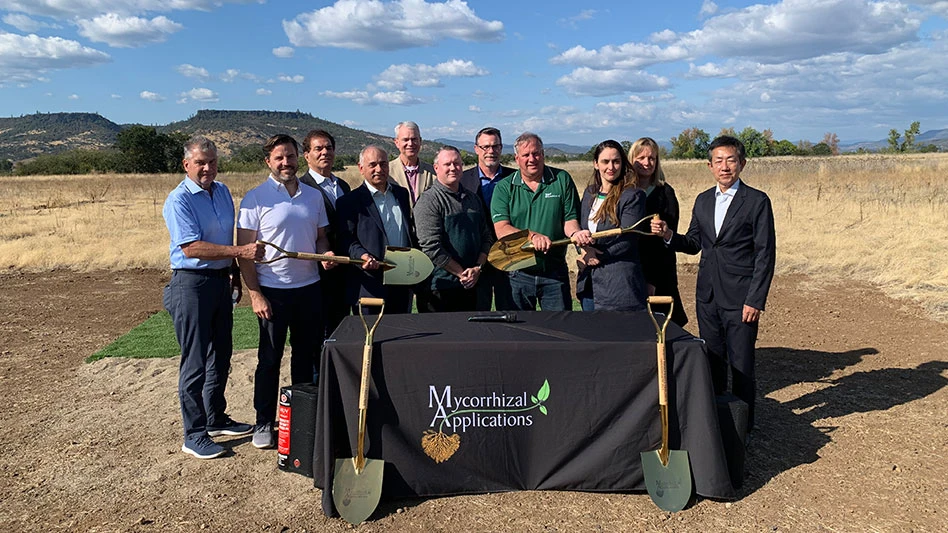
(452,230)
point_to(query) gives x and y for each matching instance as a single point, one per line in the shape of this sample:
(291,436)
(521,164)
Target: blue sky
(577,75)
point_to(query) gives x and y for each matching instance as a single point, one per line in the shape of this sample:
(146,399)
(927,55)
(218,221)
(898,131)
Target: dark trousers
(447,300)
(550,290)
(299,311)
(494,284)
(334,297)
(202,312)
(730,344)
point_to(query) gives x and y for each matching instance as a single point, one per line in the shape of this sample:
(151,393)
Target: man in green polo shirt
(543,200)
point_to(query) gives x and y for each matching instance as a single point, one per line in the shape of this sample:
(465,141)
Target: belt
(209,272)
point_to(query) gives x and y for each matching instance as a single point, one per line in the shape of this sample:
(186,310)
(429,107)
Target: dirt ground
(853,429)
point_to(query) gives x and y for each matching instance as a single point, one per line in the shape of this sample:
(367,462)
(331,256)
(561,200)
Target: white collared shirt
(292,223)
(330,185)
(722,201)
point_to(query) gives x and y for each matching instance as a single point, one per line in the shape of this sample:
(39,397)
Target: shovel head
(411,266)
(356,495)
(669,485)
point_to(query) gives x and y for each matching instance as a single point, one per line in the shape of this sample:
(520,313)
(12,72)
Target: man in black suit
(373,216)
(732,225)
(482,179)
(319,150)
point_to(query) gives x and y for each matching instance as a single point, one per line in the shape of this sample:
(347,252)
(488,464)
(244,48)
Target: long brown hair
(658,177)
(609,206)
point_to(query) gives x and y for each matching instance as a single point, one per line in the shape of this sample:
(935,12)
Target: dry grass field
(874,218)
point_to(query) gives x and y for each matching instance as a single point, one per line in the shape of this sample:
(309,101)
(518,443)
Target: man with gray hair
(199,214)
(544,201)
(453,231)
(407,169)
(375,215)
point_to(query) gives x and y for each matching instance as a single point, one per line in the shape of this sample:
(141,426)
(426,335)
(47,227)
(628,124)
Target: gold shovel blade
(411,266)
(669,485)
(356,494)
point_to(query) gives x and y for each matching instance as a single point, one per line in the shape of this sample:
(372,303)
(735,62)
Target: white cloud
(298,78)
(232,74)
(573,22)
(939,7)
(350,123)
(788,30)
(198,95)
(473,109)
(284,51)
(377,25)
(589,82)
(264,92)
(127,32)
(116,96)
(150,96)
(25,23)
(190,71)
(73,97)
(64,9)
(28,58)
(419,75)
(708,8)
(367,98)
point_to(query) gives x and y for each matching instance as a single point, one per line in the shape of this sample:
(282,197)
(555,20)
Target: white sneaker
(263,436)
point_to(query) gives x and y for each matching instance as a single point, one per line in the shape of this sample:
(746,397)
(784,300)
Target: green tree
(691,143)
(6,166)
(755,143)
(894,144)
(785,147)
(908,145)
(627,146)
(821,149)
(143,150)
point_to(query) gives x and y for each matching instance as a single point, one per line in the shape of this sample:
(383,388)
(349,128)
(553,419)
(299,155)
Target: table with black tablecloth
(555,401)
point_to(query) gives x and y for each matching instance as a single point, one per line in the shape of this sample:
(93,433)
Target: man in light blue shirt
(199,214)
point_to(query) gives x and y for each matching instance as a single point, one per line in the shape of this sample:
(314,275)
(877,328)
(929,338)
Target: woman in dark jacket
(610,269)
(658,261)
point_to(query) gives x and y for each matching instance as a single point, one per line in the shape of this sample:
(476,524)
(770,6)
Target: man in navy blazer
(375,215)
(732,225)
(481,179)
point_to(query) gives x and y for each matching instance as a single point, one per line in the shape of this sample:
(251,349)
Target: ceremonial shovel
(667,473)
(357,483)
(402,266)
(515,251)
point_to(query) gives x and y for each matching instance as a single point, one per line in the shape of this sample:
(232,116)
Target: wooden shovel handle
(366,369)
(662,376)
(660,299)
(374,302)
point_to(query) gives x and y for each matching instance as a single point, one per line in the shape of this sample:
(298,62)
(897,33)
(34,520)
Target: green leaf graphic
(544,392)
(543,409)
(534,399)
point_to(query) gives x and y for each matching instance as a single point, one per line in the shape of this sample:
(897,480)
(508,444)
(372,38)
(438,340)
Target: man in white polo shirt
(286,294)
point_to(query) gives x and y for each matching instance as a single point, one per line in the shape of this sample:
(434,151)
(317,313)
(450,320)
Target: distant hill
(937,137)
(48,133)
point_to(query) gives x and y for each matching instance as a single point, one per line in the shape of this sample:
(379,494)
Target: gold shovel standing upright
(667,472)
(357,483)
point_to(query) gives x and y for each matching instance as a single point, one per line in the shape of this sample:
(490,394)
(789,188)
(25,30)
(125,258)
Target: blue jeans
(550,290)
(202,312)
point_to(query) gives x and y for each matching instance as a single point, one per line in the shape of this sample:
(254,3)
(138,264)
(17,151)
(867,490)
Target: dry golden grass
(874,218)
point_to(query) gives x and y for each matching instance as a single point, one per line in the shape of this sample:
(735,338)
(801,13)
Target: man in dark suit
(482,179)
(373,216)
(319,150)
(732,225)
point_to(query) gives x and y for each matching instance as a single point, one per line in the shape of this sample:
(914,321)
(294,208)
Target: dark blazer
(331,232)
(737,266)
(658,261)
(617,282)
(361,231)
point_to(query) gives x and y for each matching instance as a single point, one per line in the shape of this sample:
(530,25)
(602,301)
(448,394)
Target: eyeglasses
(490,147)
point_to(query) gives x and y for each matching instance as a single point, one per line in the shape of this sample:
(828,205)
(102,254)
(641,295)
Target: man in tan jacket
(407,169)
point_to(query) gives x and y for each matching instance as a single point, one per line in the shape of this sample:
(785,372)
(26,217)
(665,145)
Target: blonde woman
(611,275)
(658,261)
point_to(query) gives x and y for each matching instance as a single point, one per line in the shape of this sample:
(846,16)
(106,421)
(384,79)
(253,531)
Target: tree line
(143,150)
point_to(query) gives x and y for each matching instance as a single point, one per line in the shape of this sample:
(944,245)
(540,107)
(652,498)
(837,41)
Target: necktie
(411,174)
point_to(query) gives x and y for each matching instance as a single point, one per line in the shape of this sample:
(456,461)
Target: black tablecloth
(437,375)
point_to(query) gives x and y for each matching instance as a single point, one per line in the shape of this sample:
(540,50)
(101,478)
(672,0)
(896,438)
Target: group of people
(453,216)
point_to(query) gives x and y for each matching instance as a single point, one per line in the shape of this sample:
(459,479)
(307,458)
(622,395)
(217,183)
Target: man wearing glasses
(482,179)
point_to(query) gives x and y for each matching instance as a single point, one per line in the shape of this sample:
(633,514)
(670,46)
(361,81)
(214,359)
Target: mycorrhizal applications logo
(461,413)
